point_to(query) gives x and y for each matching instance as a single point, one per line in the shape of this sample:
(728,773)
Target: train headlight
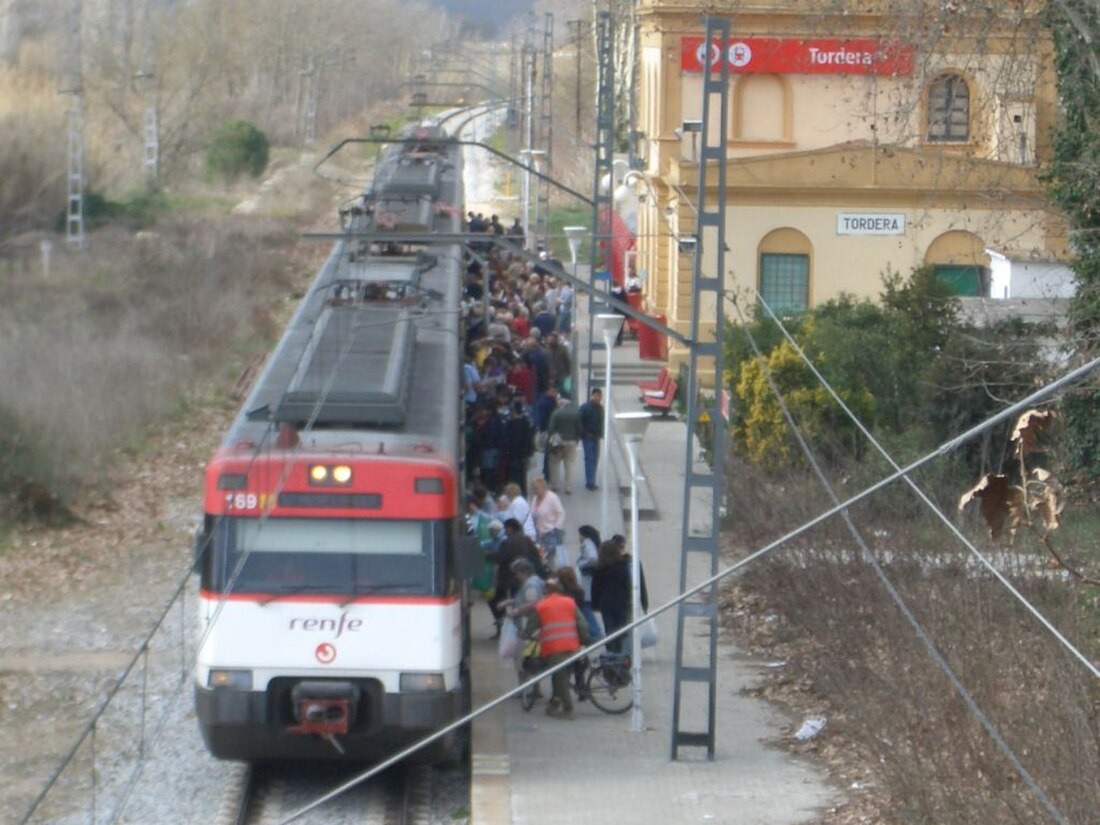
(318,473)
(341,474)
(235,679)
(413,682)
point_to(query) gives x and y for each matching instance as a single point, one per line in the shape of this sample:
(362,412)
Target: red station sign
(815,55)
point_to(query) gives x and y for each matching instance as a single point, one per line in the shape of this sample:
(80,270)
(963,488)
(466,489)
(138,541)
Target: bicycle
(607,682)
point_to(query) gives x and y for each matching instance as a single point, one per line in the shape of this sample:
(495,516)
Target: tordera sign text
(869,223)
(819,55)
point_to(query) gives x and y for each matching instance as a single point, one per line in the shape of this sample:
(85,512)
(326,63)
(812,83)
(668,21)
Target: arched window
(949,109)
(784,275)
(960,261)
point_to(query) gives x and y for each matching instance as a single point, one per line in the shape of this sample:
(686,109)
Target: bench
(661,403)
(658,386)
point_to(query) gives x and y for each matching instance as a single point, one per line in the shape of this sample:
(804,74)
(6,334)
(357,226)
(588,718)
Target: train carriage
(331,601)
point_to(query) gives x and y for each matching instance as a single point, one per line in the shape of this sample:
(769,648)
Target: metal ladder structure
(529,70)
(703,487)
(147,74)
(605,148)
(514,84)
(545,130)
(74,85)
(313,74)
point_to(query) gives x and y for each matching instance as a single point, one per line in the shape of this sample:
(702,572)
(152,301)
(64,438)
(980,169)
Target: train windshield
(352,557)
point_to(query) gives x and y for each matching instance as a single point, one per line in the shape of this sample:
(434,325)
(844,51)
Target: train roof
(371,359)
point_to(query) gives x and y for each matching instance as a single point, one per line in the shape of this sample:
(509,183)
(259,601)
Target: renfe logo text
(328,625)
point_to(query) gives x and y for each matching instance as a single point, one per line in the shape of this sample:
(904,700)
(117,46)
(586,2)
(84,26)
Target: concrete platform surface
(531,769)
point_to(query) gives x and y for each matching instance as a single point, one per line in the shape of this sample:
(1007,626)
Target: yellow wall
(803,148)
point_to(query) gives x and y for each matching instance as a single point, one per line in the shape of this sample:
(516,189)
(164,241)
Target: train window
(370,537)
(354,557)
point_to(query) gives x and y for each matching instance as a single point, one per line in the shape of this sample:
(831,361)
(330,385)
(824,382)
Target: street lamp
(530,159)
(633,426)
(574,235)
(607,326)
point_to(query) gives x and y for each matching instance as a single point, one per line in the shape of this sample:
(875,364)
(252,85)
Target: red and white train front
(331,610)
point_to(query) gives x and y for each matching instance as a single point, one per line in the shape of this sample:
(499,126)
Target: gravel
(79,611)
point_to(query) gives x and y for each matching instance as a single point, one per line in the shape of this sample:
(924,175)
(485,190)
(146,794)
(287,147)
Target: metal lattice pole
(74,85)
(150,127)
(529,61)
(703,486)
(312,89)
(152,139)
(605,147)
(545,129)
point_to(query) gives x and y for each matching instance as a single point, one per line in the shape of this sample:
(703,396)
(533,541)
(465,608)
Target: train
(332,604)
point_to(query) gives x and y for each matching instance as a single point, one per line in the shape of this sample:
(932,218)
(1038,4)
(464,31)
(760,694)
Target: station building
(862,137)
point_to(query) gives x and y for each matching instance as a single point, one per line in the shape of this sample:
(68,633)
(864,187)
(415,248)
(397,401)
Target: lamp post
(633,425)
(574,235)
(607,326)
(533,157)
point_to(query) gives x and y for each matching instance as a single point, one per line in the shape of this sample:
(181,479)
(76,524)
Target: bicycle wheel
(529,695)
(609,688)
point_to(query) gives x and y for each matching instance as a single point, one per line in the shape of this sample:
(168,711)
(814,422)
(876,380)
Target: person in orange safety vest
(562,631)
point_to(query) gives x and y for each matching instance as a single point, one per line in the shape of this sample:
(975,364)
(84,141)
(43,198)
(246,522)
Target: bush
(237,148)
(762,432)
(109,344)
(31,148)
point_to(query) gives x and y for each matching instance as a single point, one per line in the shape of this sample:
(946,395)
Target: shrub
(32,152)
(762,431)
(237,148)
(93,356)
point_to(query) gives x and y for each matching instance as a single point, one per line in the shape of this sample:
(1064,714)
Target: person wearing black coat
(611,592)
(488,438)
(519,446)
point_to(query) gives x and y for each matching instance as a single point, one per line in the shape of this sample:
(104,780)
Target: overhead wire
(211,623)
(944,449)
(899,601)
(951,526)
(238,568)
(948,446)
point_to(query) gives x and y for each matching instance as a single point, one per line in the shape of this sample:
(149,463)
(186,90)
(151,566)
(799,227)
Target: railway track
(271,794)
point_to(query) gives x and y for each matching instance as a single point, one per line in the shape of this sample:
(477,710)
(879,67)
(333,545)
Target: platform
(531,769)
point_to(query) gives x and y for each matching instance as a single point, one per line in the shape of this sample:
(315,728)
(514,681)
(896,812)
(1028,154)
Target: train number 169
(241,501)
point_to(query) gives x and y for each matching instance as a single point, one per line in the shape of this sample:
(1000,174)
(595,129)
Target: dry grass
(32,152)
(893,716)
(107,344)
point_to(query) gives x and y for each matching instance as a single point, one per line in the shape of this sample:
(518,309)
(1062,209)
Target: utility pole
(605,148)
(693,721)
(514,83)
(312,72)
(545,129)
(529,61)
(576,26)
(147,74)
(73,85)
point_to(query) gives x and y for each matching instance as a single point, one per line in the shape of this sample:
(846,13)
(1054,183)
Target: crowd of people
(523,432)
